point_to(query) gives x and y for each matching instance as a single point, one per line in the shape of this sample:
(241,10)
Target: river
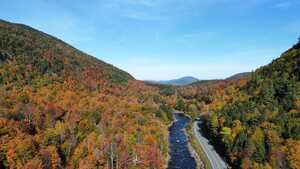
(181,157)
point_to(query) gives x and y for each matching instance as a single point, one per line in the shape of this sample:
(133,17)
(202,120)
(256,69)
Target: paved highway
(214,158)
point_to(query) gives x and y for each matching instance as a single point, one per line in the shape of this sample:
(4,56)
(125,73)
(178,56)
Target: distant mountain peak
(186,80)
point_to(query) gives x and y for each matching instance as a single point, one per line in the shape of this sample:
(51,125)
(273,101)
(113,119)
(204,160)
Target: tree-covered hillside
(61,108)
(257,123)
(48,55)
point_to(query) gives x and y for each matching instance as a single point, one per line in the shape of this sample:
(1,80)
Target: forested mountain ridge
(61,108)
(255,122)
(51,55)
(239,76)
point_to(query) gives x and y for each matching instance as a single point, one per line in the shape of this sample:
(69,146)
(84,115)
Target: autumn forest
(62,108)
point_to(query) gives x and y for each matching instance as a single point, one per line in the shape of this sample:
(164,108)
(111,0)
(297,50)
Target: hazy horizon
(162,40)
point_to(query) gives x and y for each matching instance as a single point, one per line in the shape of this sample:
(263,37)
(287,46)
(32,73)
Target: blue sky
(165,39)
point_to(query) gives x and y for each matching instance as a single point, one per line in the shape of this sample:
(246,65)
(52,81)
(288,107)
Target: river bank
(214,159)
(203,161)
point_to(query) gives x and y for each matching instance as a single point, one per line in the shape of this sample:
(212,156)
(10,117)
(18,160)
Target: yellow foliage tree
(293,153)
